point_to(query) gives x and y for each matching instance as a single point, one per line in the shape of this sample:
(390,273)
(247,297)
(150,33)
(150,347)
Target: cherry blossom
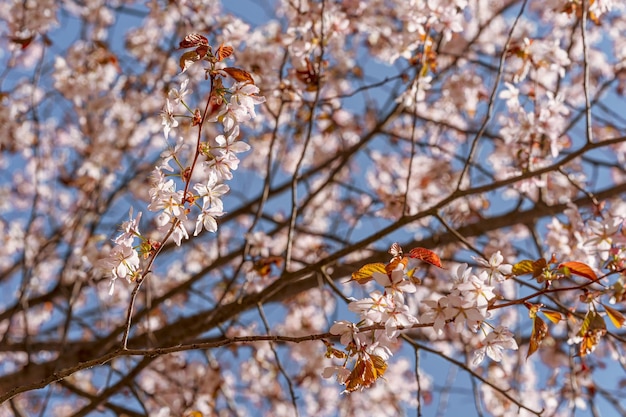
(494,344)
(178,95)
(496,268)
(243,99)
(346,330)
(602,234)
(211,191)
(395,283)
(464,313)
(122,262)
(206,219)
(230,145)
(476,289)
(168,120)
(246,266)
(437,313)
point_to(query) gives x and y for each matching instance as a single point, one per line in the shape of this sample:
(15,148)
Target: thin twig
(492,97)
(583,30)
(464,367)
(305,146)
(281,369)
(459,236)
(140,280)
(419,383)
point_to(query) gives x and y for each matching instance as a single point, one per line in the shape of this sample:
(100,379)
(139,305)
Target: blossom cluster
(384,314)
(181,194)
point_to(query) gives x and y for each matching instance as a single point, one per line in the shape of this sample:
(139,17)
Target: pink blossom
(206,219)
(463,313)
(179,95)
(400,316)
(493,345)
(375,308)
(223,164)
(395,283)
(436,314)
(461,274)
(230,144)
(346,330)
(495,267)
(245,96)
(211,191)
(260,244)
(341,373)
(476,290)
(130,230)
(180,233)
(168,119)
(122,262)
(603,235)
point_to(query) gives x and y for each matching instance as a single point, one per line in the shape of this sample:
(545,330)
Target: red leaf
(187,59)
(264,265)
(427,256)
(395,262)
(578,268)
(591,330)
(192,40)
(23,42)
(308,75)
(540,331)
(202,50)
(366,371)
(239,74)
(223,52)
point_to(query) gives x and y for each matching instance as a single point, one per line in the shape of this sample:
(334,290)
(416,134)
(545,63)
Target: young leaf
(366,371)
(592,330)
(23,42)
(187,59)
(411,274)
(223,52)
(395,250)
(395,262)
(578,268)
(364,274)
(379,366)
(540,331)
(619,291)
(553,316)
(308,75)
(192,40)
(538,267)
(616,317)
(332,352)
(264,265)
(533,309)
(354,381)
(202,50)
(239,74)
(523,267)
(427,256)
